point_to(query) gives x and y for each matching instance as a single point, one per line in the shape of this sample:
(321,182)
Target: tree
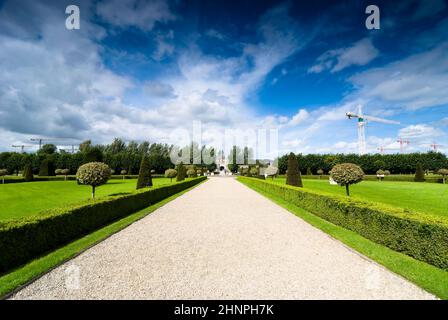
(65,172)
(293,176)
(93,174)
(28,172)
(419,173)
(123,173)
(271,171)
(171,173)
(57,172)
(320,172)
(48,149)
(93,154)
(380,174)
(46,168)
(180,172)
(144,175)
(346,174)
(443,173)
(3,173)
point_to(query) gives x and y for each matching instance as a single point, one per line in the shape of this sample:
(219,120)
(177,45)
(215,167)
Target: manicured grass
(429,198)
(428,277)
(29,198)
(38,267)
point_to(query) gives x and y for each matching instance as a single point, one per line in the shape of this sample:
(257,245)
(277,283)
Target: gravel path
(221,240)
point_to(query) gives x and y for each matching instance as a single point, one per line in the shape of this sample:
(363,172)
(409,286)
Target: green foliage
(28,173)
(144,175)
(293,176)
(346,174)
(416,235)
(419,173)
(320,172)
(46,168)
(93,174)
(48,149)
(27,238)
(181,172)
(171,173)
(3,173)
(443,173)
(93,154)
(191,173)
(58,172)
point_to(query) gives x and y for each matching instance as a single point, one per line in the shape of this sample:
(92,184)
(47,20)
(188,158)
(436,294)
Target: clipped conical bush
(293,176)
(46,168)
(144,175)
(419,173)
(181,172)
(28,172)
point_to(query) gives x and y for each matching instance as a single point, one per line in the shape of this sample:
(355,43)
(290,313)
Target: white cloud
(142,14)
(420,132)
(360,54)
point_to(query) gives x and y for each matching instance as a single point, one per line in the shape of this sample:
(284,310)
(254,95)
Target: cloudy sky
(140,70)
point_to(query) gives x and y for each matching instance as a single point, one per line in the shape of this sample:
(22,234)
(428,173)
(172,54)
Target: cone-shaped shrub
(309,172)
(419,173)
(293,176)
(144,175)
(46,168)
(180,172)
(28,172)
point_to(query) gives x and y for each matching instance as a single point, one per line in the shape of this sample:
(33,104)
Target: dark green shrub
(191,173)
(27,238)
(419,173)
(46,168)
(144,176)
(28,173)
(293,175)
(181,172)
(418,235)
(308,172)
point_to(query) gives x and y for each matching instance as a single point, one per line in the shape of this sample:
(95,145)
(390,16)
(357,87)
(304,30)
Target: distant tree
(293,176)
(93,174)
(123,173)
(144,176)
(419,173)
(443,173)
(48,149)
(379,165)
(3,173)
(28,172)
(180,172)
(85,145)
(380,174)
(346,174)
(171,173)
(93,154)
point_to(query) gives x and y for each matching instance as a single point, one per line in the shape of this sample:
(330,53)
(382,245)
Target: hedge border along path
(422,237)
(28,238)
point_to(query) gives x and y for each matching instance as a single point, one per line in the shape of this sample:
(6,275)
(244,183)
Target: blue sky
(139,70)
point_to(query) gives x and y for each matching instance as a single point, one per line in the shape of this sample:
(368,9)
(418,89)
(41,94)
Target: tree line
(370,163)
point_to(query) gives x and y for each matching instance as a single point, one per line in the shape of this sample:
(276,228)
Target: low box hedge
(393,177)
(418,235)
(25,239)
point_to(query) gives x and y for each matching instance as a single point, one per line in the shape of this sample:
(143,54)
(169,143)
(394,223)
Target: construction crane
(22,147)
(403,144)
(381,149)
(362,122)
(40,140)
(434,146)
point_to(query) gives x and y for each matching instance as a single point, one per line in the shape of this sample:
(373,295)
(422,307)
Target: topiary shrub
(58,172)
(65,172)
(309,172)
(386,172)
(380,175)
(144,175)
(293,176)
(93,174)
(3,173)
(28,173)
(181,172)
(191,173)
(419,173)
(271,172)
(170,173)
(443,173)
(123,173)
(46,168)
(346,174)
(320,172)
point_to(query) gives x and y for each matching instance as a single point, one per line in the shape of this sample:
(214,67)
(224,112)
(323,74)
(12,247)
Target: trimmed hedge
(25,239)
(420,236)
(18,179)
(393,177)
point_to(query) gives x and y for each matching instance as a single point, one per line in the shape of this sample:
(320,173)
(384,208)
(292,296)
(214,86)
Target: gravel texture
(221,240)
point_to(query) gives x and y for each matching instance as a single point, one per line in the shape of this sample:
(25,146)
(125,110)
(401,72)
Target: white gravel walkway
(221,240)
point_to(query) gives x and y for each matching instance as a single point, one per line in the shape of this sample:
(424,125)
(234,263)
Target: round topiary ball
(171,173)
(93,174)
(191,173)
(346,174)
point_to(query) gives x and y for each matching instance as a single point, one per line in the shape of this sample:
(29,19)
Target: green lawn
(428,198)
(29,198)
